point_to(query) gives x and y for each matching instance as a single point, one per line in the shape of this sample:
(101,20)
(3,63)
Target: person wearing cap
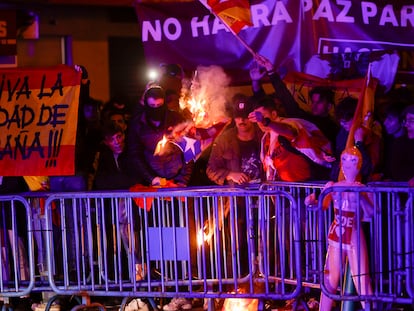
(235,161)
(235,154)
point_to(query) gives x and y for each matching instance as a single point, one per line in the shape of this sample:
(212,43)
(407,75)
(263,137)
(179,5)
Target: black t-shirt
(250,162)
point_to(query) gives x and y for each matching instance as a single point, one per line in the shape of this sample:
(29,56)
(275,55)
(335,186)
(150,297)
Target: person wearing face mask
(158,166)
(146,129)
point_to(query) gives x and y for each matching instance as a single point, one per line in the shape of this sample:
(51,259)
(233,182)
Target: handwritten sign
(38,120)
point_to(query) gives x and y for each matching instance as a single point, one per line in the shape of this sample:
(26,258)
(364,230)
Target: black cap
(242,109)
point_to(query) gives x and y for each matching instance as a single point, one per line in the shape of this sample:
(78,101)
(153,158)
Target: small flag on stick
(235,14)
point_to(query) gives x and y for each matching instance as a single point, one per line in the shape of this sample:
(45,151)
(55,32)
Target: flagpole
(244,43)
(358,118)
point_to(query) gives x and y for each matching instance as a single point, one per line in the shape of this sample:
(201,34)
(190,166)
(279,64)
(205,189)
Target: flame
(240,304)
(204,235)
(198,110)
(160,146)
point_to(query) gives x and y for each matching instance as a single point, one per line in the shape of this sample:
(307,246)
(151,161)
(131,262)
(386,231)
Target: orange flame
(160,146)
(204,235)
(197,108)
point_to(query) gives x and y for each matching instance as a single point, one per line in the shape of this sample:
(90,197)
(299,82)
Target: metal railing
(212,242)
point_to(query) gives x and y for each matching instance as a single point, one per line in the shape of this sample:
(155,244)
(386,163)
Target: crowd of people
(271,138)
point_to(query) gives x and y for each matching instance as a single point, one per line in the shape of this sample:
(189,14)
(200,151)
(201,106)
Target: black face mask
(156,114)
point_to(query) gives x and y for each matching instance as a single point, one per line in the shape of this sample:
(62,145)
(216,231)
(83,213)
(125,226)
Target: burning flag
(191,148)
(234,13)
(205,97)
(195,140)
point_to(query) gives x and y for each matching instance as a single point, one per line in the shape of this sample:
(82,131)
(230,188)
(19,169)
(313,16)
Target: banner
(38,120)
(287,32)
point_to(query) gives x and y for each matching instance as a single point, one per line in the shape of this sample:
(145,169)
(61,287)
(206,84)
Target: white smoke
(209,91)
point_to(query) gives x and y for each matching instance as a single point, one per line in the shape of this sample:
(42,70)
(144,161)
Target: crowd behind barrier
(270,246)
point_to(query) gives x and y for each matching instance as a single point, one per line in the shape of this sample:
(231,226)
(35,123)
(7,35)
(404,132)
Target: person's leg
(74,183)
(129,236)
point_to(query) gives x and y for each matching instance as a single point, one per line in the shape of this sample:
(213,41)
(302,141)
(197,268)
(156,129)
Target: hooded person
(149,127)
(155,107)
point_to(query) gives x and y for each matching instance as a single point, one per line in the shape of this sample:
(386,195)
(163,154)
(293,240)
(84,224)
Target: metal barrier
(202,243)
(16,247)
(192,243)
(380,254)
(308,219)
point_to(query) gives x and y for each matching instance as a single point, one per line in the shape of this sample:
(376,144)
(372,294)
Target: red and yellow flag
(234,13)
(38,120)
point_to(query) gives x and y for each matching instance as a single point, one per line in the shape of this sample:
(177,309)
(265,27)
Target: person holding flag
(146,130)
(292,149)
(321,99)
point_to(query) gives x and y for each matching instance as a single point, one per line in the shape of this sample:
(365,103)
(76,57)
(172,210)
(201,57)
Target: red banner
(38,120)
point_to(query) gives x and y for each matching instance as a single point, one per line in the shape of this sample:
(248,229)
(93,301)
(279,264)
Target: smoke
(206,94)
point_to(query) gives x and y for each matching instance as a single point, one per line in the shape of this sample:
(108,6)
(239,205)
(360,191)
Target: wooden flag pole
(244,43)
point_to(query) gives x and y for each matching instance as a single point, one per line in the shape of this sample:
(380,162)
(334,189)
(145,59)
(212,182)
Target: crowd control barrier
(214,242)
(16,247)
(378,257)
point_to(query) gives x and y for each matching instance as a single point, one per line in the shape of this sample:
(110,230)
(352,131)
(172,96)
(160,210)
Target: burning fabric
(205,97)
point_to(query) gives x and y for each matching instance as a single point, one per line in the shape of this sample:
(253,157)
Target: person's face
(155,109)
(155,102)
(115,142)
(391,124)
(243,124)
(118,119)
(350,165)
(319,106)
(409,124)
(346,125)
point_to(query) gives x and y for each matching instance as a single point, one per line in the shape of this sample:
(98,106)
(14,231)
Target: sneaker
(136,305)
(313,304)
(178,304)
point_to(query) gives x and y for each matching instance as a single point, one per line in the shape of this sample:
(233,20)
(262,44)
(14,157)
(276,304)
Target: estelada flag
(198,139)
(234,13)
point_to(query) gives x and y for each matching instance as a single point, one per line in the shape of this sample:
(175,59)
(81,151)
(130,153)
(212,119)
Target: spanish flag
(234,13)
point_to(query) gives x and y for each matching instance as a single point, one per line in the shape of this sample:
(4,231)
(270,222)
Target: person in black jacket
(112,173)
(146,129)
